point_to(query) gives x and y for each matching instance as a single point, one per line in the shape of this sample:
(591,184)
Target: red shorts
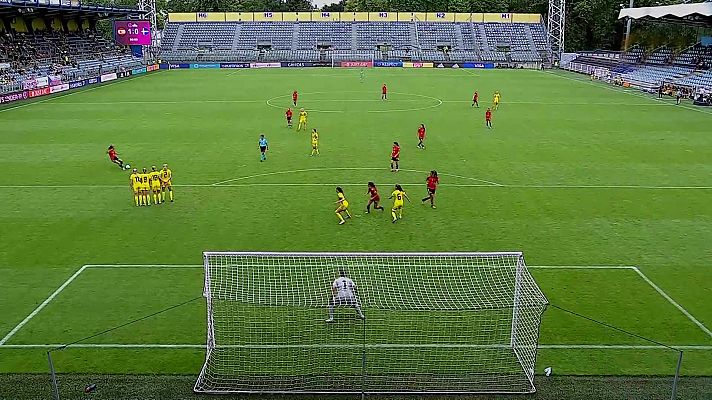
(421,137)
(113,158)
(431,190)
(375,199)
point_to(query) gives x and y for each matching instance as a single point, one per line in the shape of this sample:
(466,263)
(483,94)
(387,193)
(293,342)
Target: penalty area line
(41,306)
(673,302)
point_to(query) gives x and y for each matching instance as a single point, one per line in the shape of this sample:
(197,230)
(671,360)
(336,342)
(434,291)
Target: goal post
(432,323)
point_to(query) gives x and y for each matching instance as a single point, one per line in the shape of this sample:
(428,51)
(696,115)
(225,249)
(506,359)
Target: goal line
(66,283)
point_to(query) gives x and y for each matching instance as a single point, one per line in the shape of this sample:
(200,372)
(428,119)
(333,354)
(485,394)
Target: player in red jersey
(395,157)
(114,157)
(488,118)
(384,92)
(432,183)
(374,199)
(421,136)
(295,95)
(288,114)
(475,99)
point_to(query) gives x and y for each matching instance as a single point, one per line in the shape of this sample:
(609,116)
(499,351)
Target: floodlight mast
(149,8)
(556,27)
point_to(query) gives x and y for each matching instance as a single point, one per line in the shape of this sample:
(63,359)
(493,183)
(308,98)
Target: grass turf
(573,173)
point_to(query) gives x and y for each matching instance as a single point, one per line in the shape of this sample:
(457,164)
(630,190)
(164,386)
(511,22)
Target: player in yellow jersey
(343,205)
(166,182)
(495,101)
(315,142)
(302,120)
(398,197)
(155,185)
(135,185)
(145,197)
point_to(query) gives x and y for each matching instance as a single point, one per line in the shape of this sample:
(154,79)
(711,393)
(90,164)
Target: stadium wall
(353,17)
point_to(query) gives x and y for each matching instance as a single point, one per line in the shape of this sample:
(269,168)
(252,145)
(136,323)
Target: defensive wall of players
(323,16)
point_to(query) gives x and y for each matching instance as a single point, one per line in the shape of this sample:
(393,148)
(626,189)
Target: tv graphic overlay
(133,32)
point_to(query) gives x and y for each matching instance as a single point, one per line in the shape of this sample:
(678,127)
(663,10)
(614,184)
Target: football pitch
(606,191)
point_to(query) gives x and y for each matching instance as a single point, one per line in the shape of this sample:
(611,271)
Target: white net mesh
(460,322)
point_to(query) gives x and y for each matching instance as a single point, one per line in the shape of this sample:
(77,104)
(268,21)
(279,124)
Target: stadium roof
(48,8)
(695,14)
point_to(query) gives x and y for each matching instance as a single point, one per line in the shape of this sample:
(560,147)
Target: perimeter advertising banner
(356,64)
(77,84)
(203,66)
(235,65)
(59,88)
(178,66)
(478,65)
(266,65)
(417,65)
(388,63)
(108,77)
(152,67)
(37,92)
(132,33)
(297,64)
(11,97)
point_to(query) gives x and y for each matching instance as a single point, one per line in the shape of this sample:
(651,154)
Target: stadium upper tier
(501,39)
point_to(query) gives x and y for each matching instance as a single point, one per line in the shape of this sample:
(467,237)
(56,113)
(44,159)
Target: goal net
(433,323)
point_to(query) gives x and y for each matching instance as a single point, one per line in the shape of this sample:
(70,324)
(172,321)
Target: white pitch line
(484,184)
(143,266)
(544,103)
(41,306)
(580,267)
(348,169)
(673,302)
(383,345)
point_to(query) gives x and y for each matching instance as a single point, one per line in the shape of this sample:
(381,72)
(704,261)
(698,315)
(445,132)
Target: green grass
(582,176)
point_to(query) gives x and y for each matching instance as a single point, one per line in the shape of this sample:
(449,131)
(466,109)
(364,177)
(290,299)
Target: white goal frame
(528,305)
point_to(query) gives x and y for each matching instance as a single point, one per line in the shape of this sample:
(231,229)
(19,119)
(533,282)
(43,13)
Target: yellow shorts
(315,145)
(302,120)
(156,187)
(344,205)
(145,186)
(136,189)
(397,206)
(166,184)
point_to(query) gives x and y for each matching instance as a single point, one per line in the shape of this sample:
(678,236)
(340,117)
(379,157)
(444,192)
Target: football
(127,166)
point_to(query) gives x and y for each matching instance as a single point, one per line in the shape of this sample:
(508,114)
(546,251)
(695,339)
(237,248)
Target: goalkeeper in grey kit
(343,292)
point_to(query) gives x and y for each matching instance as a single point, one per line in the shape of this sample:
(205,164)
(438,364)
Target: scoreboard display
(132,32)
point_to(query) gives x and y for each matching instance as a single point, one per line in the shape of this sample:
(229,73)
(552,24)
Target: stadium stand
(70,55)
(37,50)
(689,68)
(188,41)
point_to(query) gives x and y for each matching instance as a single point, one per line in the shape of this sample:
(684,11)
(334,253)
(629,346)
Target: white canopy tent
(696,13)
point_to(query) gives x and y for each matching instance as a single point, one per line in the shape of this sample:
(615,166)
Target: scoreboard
(132,32)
